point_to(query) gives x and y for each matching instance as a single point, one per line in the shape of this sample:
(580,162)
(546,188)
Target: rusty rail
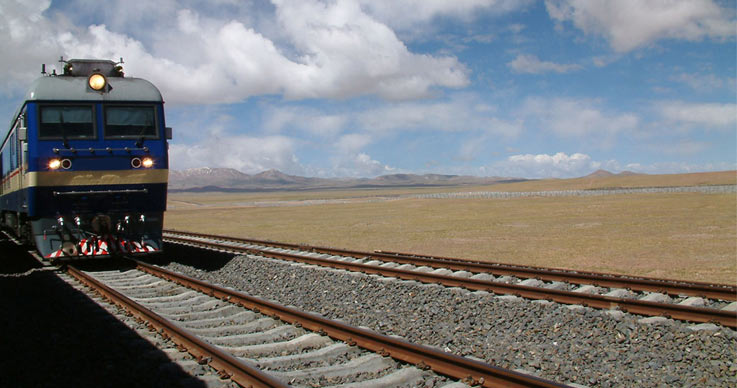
(228,365)
(666,286)
(473,372)
(675,311)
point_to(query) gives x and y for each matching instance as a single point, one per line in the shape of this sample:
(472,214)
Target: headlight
(146,162)
(54,164)
(97,81)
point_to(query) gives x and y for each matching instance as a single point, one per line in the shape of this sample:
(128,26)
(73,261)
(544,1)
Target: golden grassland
(690,236)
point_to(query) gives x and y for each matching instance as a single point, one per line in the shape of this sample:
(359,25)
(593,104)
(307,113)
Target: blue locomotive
(85,164)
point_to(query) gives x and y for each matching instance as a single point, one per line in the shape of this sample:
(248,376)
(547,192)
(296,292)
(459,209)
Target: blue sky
(360,88)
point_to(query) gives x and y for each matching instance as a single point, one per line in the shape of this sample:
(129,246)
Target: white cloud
(525,63)
(304,120)
(562,165)
(559,165)
(348,53)
(703,115)
(581,118)
(353,142)
(359,165)
(245,153)
(681,148)
(679,167)
(704,82)
(30,37)
(630,24)
(460,113)
(322,50)
(348,159)
(464,112)
(409,14)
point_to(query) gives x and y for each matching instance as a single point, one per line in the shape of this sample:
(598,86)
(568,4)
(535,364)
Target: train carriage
(85,165)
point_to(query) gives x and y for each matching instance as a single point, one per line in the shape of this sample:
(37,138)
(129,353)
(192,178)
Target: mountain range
(228,179)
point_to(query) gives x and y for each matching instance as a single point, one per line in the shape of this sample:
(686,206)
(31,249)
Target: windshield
(66,122)
(130,122)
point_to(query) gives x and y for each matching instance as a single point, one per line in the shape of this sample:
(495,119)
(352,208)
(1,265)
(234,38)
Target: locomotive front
(92,163)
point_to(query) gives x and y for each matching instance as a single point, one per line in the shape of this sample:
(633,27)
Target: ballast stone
(615,314)
(654,320)
(441,271)
(588,289)
(693,301)
(657,297)
(483,276)
(704,327)
(531,283)
(619,293)
(557,286)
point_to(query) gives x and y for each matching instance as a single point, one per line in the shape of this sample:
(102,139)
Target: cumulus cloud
(360,165)
(322,50)
(679,167)
(525,63)
(411,13)
(460,113)
(347,51)
(305,120)
(248,154)
(353,142)
(581,118)
(31,38)
(559,165)
(349,159)
(562,165)
(631,24)
(701,115)
(704,82)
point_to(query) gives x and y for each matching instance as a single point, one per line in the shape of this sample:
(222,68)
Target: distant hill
(629,173)
(605,174)
(228,179)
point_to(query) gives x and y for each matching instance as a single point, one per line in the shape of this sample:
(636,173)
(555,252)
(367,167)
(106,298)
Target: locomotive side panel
(13,200)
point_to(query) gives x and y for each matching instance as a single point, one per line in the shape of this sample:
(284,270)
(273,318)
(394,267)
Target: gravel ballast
(54,335)
(569,344)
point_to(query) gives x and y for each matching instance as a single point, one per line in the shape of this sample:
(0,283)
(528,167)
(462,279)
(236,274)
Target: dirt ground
(690,236)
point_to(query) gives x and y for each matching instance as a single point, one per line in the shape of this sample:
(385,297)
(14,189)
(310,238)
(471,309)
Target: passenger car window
(66,122)
(130,122)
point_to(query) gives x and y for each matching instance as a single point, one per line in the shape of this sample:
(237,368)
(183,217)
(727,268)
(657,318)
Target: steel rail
(228,365)
(672,287)
(470,371)
(666,286)
(675,311)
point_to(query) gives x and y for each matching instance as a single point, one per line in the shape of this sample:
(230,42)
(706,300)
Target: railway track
(696,302)
(259,343)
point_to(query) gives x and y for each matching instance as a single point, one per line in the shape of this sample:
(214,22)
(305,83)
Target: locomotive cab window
(130,122)
(66,122)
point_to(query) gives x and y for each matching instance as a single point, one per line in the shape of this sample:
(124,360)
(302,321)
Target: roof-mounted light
(97,82)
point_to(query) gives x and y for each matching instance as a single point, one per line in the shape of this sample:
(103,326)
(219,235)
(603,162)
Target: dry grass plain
(690,236)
